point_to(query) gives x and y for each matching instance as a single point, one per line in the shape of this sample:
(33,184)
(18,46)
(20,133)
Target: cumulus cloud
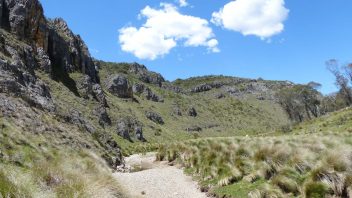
(183,3)
(262,18)
(164,29)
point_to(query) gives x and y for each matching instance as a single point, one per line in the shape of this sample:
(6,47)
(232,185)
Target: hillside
(223,105)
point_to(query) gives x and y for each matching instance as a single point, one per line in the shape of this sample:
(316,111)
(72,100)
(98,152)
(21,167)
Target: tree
(332,102)
(300,102)
(342,80)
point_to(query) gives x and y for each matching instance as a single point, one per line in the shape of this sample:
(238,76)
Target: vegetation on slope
(304,163)
(32,166)
(225,116)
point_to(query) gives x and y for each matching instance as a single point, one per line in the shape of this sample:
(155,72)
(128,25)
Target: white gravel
(158,181)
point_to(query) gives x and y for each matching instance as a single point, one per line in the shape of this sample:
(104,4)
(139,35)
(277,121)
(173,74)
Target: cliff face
(29,41)
(31,44)
(47,38)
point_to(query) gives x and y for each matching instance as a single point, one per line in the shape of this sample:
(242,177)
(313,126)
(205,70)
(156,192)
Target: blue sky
(313,31)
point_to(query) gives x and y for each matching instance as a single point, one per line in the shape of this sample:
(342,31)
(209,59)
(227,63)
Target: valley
(70,123)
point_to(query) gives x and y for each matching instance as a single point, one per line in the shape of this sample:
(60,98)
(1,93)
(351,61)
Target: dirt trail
(156,180)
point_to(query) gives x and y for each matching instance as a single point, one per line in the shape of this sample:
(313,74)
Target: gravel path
(157,180)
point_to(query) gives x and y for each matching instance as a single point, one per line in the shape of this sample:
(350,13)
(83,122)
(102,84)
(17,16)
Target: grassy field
(314,160)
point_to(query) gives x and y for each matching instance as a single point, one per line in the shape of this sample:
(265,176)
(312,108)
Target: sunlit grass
(291,165)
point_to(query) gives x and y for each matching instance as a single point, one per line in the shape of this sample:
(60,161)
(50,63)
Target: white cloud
(163,30)
(183,3)
(262,18)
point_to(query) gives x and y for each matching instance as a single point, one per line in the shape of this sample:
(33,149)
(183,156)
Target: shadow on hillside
(58,74)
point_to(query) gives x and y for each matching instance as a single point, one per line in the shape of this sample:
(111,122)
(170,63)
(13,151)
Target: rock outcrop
(171,87)
(99,95)
(194,129)
(150,95)
(146,92)
(207,87)
(138,88)
(90,90)
(201,88)
(75,117)
(155,117)
(127,127)
(68,52)
(192,112)
(29,41)
(119,86)
(58,50)
(103,116)
(146,76)
(19,82)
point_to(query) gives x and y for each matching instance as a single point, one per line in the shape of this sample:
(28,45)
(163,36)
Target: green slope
(313,160)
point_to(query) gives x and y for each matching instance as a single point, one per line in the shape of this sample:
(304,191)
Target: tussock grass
(287,166)
(68,175)
(31,168)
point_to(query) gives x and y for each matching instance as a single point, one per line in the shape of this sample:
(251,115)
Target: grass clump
(315,190)
(289,166)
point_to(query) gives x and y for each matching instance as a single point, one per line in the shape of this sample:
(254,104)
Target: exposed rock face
(75,117)
(170,87)
(146,76)
(194,129)
(99,95)
(127,126)
(150,95)
(146,92)
(192,112)
(44,60)
(1,8)
(36,43)
(24,18)
(111,147)
(139,133)
(88,89)
(155,117)
(138,88)
(201,88)
(85,87)
(58,50)
(103,116)
(19,83)
(119,86)
(68,52)
(207,87)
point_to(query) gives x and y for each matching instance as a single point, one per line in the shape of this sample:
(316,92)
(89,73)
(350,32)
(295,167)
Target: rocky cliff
(30,43)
